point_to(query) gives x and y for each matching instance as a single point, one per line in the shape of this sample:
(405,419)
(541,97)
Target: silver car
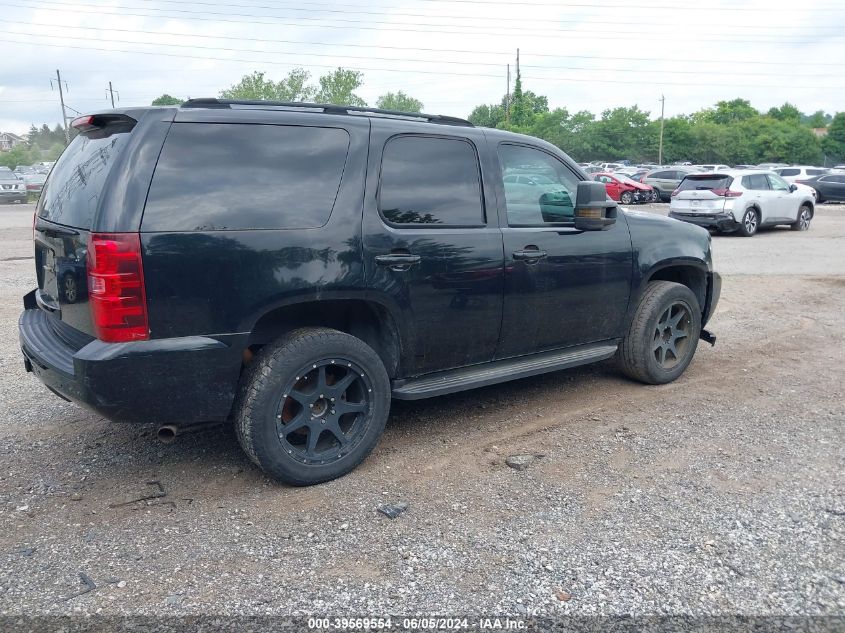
(12,188)
(742,201)
(666,180)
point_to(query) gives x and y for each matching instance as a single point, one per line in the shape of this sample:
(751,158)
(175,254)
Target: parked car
(745,166)
(771,166)
(12,188)
(794,173)
(33,177)
(611,166)
(742,201)
(716,167)
(828,187)
(294,269)
(665,181)
(624,190)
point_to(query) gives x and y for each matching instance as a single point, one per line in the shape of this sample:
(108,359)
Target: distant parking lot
(721,493)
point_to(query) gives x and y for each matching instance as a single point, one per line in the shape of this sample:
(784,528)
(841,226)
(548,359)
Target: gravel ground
(722,493)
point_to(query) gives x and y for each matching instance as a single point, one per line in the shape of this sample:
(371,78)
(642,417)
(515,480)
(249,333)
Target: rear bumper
(178,380)
(721,221)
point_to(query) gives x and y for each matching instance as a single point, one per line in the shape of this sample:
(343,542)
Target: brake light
(116,287)
(675,193)
(726,193)
(83,123)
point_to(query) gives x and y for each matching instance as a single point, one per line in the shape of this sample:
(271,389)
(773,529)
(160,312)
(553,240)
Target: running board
(494,372)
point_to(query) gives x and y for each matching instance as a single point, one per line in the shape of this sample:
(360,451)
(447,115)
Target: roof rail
(327,109)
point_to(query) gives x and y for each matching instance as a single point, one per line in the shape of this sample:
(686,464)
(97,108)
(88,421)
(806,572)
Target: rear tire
(658,197)
(663,334)
(312,406)
(749,223)
(805,215)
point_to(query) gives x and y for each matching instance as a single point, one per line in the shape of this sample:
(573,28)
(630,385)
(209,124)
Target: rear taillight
(116,287)
(726,193)
(675,193)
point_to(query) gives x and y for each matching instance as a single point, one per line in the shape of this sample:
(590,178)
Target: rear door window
(756,182)
(73,190)
(789,172)
(430,180)
(233,176)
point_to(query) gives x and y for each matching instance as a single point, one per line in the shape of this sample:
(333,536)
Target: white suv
(791,174)
(733,200)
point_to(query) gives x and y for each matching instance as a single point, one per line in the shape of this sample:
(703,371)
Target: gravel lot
(722,493)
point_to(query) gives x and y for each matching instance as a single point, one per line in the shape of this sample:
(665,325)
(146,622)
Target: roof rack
(325,108)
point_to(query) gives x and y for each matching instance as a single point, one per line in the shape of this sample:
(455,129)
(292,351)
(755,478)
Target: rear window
(705,183)
(76,182)
(232,176)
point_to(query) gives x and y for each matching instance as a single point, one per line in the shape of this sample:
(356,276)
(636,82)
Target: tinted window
(756,182)
(548,192)
(216,176)
(665,175)
(815,172)
(430,180)
(75,185)
(705,183)
(789,172)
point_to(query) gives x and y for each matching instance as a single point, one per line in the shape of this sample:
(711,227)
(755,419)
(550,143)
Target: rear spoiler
(102,125)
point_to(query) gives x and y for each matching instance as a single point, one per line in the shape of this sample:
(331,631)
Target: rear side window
(430,180)
(223,176)
(815,172)
(705,183)
(789,172)
(76,182)
(755,182)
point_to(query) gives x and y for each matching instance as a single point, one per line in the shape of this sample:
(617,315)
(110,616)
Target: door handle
(530,255)
(399,262)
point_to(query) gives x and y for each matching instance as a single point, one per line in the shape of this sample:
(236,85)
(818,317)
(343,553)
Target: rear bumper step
(500,371)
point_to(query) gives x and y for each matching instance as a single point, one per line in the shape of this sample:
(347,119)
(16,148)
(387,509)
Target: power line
(391,59)
(400,70)
(475,18)
(597,5)
(673,60)
(551,33)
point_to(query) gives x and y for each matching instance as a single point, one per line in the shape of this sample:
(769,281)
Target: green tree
(166,100)
(787,112)
(817,119)
(339,86)
(257,87)
(833,144)
(20,155)
(732,111)
(487,115)
(521,113)
(399,101)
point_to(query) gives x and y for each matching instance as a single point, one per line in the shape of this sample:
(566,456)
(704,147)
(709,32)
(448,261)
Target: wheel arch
(367,320)
(689,274)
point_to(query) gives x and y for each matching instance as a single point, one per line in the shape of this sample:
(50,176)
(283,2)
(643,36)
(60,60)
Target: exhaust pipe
(168,433)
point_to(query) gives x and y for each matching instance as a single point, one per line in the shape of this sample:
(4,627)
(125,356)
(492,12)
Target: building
(9,140)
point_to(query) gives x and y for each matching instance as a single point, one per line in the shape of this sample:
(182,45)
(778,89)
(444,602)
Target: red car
(624,190)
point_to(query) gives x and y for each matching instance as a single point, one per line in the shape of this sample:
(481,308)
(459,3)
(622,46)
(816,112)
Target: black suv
(293,267)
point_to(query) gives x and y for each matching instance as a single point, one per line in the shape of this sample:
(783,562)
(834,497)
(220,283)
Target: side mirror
(594,211)
(793,188)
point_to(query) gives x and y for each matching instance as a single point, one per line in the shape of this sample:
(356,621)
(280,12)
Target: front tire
(312,406)
(663,334)
(749,223)
(805,214)
(626,198)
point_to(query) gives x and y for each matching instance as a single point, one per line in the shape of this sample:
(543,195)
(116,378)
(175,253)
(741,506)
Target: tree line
(731,132)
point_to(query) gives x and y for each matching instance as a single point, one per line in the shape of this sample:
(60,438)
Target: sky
(450,54)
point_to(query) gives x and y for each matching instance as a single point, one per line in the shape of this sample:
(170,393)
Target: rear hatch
(701,193)
(66,212)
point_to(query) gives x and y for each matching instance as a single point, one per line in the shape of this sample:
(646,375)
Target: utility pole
(660,151)
(62,100)
(508,98)
(111,92)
